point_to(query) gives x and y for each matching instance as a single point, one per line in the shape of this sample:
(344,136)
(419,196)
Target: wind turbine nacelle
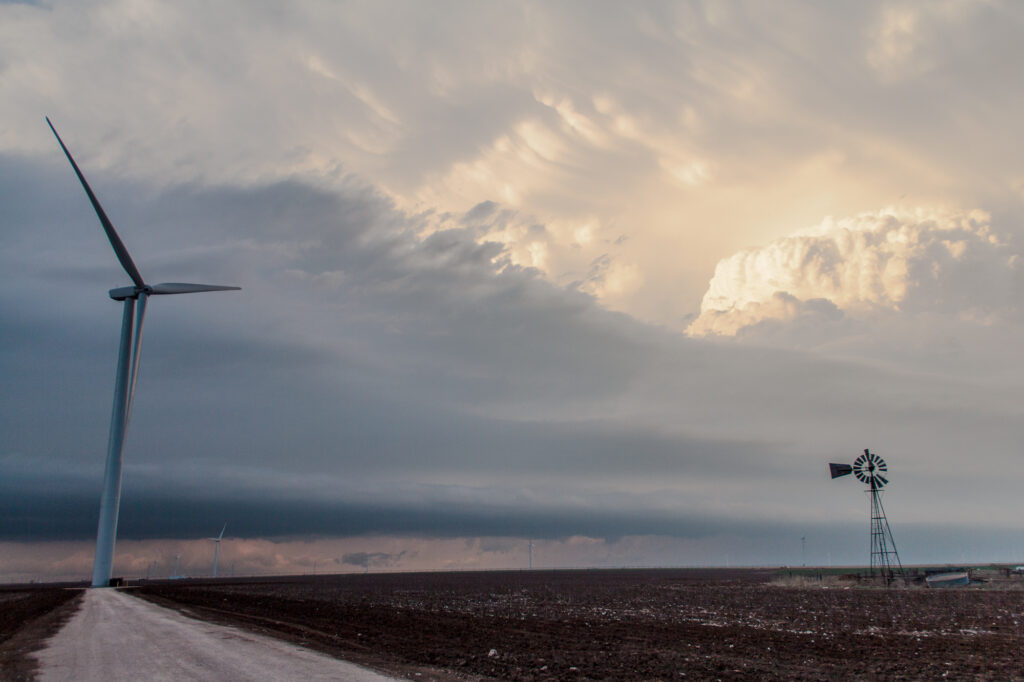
(838,470)
(122,293)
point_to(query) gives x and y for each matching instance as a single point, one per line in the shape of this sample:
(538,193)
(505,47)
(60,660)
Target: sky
(618,279)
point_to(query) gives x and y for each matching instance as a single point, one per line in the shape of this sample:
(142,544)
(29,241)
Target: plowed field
(27,618)
(629,624)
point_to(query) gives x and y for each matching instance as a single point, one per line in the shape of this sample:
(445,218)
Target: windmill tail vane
(838,470)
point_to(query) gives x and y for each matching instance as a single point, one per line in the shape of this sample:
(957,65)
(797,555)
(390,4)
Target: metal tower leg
(884,556)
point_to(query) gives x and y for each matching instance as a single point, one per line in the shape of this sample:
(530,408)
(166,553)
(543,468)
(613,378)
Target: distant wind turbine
(216,548)
(127,372)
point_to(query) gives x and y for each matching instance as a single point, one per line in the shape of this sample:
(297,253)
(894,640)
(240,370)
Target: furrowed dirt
(27,619)
(630,624)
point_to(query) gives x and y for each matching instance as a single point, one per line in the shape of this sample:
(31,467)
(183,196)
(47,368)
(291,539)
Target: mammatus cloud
(692,128)
(923,261)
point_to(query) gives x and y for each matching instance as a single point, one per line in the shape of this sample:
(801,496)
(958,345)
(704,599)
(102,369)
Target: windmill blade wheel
(871,469)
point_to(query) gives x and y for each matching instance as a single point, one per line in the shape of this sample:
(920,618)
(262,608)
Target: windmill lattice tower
(871,469)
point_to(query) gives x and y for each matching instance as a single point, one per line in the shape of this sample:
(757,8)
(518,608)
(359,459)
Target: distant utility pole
(531,555)
(803,549)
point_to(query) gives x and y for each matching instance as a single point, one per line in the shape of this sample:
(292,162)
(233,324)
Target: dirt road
(118,637)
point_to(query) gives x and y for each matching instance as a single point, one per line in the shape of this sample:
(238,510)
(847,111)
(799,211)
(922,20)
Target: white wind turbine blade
(182,288)
(115,241)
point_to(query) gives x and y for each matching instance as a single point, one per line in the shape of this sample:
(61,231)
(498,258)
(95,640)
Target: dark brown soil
(27,620)
(629,624)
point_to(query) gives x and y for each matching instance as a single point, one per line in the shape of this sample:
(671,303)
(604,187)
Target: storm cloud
(516,270)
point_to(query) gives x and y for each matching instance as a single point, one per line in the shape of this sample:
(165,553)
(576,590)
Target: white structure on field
(216,548)
(127,372)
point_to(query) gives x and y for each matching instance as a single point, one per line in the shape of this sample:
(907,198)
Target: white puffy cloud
(922,261)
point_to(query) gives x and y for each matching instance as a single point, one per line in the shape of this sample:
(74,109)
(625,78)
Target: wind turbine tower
(134,298)
(216,548)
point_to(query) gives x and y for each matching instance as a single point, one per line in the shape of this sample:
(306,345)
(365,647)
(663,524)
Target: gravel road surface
(117,637)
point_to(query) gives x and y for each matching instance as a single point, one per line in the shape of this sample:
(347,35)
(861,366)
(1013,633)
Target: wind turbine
(216,548)
(127,372)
